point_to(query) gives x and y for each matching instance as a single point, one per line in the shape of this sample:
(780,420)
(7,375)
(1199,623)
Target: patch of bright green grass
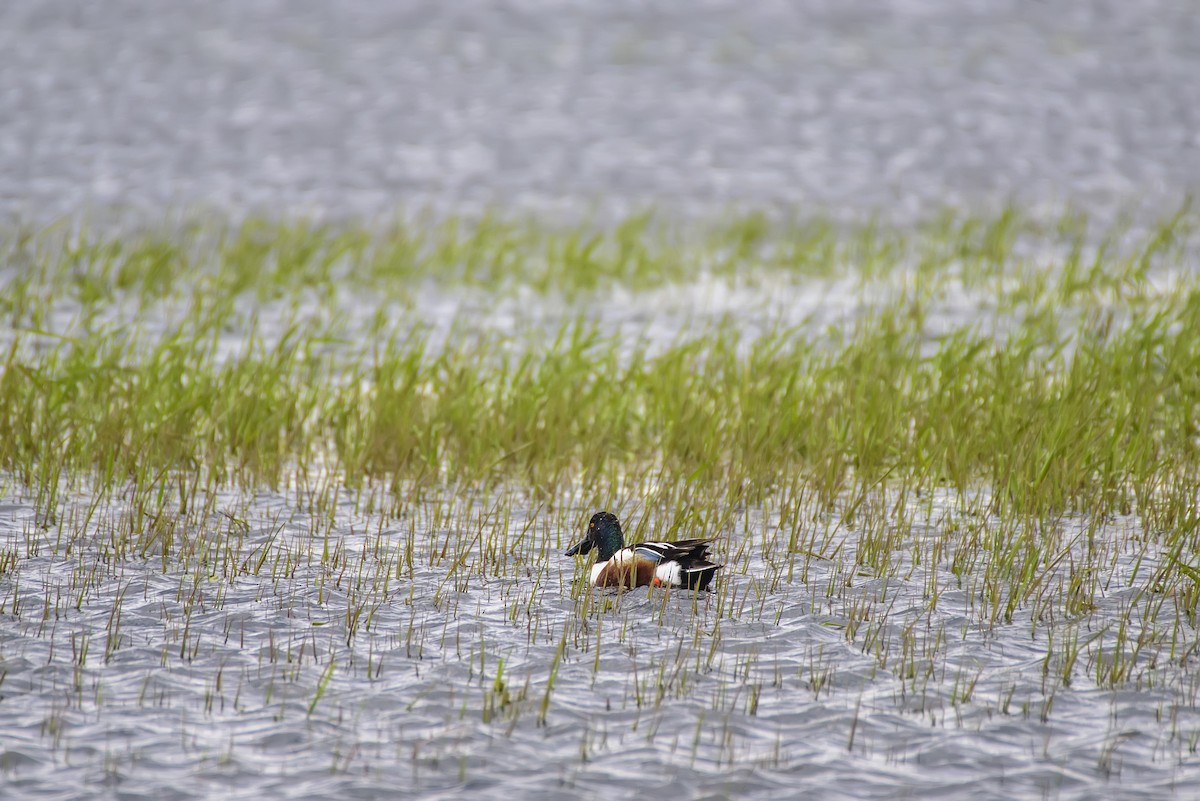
(1100,418)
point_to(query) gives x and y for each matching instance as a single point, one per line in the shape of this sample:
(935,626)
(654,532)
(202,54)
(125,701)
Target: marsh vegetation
(301,490)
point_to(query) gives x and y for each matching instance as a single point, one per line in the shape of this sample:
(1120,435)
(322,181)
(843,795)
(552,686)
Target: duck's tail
(698,577)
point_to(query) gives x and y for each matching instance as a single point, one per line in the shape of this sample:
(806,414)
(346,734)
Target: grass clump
(1098,418)
(71,266)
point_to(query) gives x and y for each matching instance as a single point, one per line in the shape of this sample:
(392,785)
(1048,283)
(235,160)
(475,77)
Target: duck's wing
(694,550)
(683,563)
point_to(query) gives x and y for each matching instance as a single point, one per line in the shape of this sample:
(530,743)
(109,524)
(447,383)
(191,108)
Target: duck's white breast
(619,558)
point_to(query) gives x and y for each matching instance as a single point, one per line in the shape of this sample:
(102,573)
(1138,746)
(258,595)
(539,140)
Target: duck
(683,563)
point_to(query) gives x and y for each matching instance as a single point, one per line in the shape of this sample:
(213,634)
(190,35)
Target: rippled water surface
(447,681)
(887,106)
(271,650)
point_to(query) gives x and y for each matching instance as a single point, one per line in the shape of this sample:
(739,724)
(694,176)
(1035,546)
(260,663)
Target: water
(208,682)
(901,107)
(212,682)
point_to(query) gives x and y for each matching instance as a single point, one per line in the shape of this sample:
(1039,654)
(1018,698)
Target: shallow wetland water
(251,544)
(285,483)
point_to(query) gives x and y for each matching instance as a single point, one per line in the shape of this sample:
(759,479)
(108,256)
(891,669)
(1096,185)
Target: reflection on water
(896,108)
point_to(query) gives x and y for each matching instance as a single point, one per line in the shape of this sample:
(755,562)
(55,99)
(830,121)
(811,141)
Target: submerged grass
(178,416)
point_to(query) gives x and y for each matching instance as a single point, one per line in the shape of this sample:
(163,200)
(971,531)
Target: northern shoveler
(662,564)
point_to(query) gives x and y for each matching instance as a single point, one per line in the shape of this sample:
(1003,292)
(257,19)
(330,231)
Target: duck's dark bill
(580,547)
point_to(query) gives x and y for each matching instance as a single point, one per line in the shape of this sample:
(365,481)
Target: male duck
(662,564)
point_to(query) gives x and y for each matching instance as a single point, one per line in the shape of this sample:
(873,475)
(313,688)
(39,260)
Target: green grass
(1099,418)
(73,266)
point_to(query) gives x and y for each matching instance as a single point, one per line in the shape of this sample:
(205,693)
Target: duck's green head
(604,534)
